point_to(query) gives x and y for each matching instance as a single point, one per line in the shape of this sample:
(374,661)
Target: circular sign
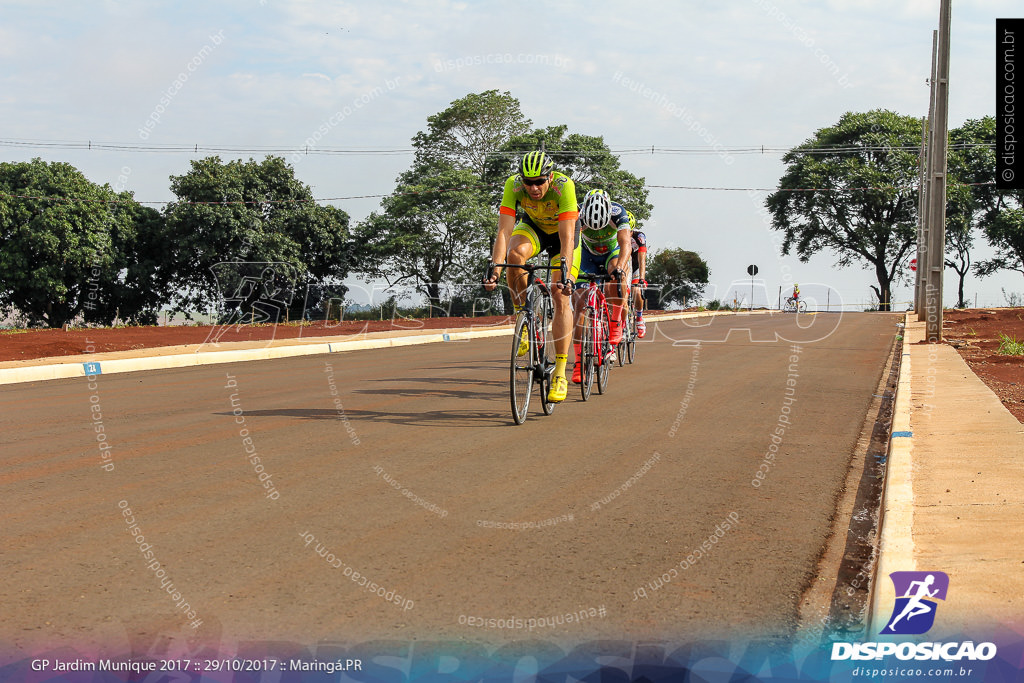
(751,270)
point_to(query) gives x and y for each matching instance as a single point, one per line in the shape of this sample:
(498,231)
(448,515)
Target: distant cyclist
(796,292)
(604,227)
(638,256)
(548,202)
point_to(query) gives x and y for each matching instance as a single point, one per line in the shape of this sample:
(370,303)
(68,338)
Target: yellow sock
(560,360)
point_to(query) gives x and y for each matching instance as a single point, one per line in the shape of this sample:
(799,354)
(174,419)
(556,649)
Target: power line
(196,148)
(882,188)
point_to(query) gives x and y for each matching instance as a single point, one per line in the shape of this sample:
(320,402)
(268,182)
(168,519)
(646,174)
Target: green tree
(239,212)
(866,212)
(61,239)
(971,163)
(434,231)
(470,129)
(998,213)
(680,276)
(138,281)
(1004,230)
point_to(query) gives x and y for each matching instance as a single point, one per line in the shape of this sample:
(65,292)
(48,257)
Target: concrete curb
(896,540)
(326,345)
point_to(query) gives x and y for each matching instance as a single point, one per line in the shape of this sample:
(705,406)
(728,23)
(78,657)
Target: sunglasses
(535,182)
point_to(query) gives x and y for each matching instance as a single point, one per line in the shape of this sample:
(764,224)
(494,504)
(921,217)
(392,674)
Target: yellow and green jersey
(559,204)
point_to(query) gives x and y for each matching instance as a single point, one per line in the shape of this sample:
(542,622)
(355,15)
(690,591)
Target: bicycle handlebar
(528,267)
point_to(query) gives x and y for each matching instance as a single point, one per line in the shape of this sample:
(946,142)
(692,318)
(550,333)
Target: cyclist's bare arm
(624,261)
(506,224)
(567,237)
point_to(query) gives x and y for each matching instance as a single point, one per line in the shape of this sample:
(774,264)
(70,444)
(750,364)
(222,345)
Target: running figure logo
(916,595)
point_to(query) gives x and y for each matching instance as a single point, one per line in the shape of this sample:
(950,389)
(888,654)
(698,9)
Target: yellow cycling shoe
(559,388)
(524,342)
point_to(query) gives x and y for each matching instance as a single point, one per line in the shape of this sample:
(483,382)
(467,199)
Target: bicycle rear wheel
(520,381)
(631,340)
(627,315)
(801,307)
(604,366)
(545,353)
(589,354)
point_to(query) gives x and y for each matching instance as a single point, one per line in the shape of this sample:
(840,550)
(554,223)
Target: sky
(253,77)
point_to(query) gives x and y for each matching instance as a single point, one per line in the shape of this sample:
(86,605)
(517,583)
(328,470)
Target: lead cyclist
(548,201)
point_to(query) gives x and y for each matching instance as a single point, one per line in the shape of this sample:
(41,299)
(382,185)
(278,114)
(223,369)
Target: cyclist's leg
(614,297)
(589,265)
(561,326)
(523,246)
(638,304)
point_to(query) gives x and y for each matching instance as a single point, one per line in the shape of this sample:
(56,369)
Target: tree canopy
(679,275)
(865,169)
(251,212)
(971,164)
(432,232)
(66,246)
(998,213)
(471,129)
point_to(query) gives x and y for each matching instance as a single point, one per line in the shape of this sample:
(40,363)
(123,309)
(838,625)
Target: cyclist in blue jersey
(638,244)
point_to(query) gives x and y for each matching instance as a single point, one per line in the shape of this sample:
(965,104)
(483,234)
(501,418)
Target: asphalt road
(393,498)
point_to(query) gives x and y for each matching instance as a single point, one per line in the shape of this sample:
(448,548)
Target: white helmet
(596,211)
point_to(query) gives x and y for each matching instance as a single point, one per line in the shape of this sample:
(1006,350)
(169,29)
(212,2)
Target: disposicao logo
(916,595)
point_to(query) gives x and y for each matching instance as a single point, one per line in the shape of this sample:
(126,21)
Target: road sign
(913,264)
(751,270)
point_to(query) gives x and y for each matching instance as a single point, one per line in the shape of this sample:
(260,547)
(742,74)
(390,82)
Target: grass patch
(1010,346)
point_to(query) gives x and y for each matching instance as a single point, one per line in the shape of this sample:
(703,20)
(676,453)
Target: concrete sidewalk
(954,496)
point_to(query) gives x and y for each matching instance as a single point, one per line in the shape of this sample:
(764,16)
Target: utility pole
(928,144)
(937,191)
(922,204)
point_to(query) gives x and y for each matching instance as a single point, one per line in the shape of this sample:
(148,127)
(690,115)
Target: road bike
(626,352)
(537,364)
(596,349)
(794,305)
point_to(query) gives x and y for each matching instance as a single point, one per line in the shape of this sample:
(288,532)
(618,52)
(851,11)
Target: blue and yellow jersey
(559,204)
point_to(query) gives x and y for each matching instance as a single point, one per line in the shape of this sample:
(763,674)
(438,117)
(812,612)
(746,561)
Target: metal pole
(937,194)
(922,207)
(923,262)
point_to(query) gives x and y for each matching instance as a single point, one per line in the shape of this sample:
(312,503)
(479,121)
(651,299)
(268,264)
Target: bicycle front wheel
(545,353)
(589,353)
(604,366)
(801,307)
(520,381)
